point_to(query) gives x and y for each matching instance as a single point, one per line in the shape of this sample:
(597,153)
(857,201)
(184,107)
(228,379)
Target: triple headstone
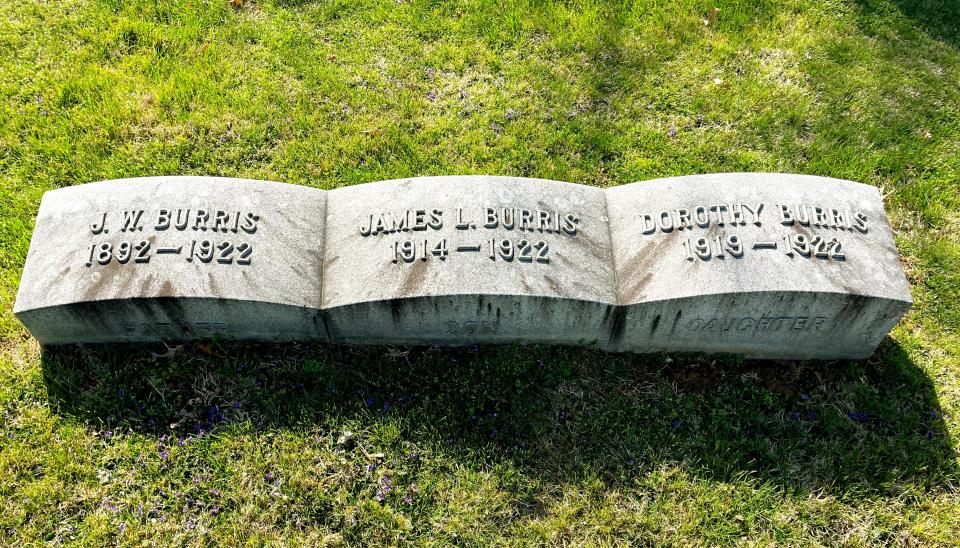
(766,265)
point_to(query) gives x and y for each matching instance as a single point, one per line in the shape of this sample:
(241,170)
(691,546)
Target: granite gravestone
(767,265)
(174,258)
(454,260)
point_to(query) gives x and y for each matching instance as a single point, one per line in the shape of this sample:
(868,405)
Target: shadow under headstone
(556,413)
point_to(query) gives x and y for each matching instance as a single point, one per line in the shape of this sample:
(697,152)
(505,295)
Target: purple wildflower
(858,416)
(384,488)
(432,95)
(675,424)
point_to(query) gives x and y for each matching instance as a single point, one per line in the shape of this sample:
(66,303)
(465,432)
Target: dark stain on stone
(414,279)
(213,283)
(618,324)
(167,289)
(396,309)
(554,286)
(852,309)
(676,320)
(656,323)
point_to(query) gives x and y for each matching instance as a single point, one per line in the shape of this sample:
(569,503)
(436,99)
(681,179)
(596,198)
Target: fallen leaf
(205,348)
(237,4)
(711,16)
(331,57)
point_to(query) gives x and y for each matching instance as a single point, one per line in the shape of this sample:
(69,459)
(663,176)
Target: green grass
(246,444)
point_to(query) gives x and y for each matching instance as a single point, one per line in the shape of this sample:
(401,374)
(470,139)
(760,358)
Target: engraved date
(718,247)
(105,252)
(409,251)
(522,250)
(816,247)
(142,251)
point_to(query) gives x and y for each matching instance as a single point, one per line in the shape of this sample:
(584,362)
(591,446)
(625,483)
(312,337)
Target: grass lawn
(228,443)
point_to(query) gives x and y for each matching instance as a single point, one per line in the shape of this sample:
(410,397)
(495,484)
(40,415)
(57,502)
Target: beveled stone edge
(322,335)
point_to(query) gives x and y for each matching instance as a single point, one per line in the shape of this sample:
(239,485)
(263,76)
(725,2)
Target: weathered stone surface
(174,258)
(715,263)
(767,265)
(454,260)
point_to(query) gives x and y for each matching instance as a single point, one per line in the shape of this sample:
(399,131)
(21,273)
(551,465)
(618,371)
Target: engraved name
(828,247)
(140,250)
(519,249)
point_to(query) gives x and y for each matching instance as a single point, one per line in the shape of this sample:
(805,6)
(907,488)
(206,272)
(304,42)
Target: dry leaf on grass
(711,16)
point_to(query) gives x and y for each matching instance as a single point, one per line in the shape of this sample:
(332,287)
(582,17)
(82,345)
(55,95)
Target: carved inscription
(138,236)
(758,324)
(529,246)
(819,232)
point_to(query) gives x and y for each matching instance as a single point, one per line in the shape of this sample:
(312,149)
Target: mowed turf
(303,444)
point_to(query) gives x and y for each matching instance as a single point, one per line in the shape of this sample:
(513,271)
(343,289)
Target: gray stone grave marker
(174,258)
(766,265)
(454,260)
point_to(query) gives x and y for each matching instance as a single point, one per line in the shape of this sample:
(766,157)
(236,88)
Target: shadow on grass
(939,19)
(556,413)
